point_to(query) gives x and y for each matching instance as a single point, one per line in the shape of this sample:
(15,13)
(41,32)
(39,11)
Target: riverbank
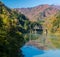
(36,44)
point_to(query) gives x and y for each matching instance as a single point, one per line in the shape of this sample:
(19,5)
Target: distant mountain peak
(39,12)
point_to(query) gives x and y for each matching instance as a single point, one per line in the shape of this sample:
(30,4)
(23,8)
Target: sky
(28,3)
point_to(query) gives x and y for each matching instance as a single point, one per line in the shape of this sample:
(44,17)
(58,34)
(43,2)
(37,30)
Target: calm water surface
(31,51)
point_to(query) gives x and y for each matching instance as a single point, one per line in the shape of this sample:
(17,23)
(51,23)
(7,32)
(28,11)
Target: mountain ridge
(34,13)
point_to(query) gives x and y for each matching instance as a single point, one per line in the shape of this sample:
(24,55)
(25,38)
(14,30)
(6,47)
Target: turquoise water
(31,51)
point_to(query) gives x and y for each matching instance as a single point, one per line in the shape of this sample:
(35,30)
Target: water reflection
(30,51)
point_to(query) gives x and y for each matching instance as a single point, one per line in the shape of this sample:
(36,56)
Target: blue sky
(28,3)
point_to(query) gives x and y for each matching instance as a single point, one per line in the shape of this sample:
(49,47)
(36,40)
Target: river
(31,51)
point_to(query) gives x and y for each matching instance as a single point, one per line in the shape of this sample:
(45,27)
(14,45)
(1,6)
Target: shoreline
(37,45)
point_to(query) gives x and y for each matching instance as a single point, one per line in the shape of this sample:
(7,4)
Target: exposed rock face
(39,12)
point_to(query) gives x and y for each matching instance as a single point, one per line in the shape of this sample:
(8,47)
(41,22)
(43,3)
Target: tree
(10,38)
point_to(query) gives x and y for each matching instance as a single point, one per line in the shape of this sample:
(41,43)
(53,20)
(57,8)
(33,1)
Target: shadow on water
(30,51)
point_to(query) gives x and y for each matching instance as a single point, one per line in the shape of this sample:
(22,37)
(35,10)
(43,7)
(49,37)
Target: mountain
(56,6)
(47,13)
(39,12)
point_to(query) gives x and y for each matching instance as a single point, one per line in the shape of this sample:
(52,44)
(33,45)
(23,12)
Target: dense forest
(12,27)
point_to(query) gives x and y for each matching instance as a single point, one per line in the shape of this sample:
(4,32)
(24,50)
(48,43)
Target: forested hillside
(12,27)
(52,23)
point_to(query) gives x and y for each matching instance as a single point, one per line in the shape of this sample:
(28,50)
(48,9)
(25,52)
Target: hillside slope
(12,27)
(39,12)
